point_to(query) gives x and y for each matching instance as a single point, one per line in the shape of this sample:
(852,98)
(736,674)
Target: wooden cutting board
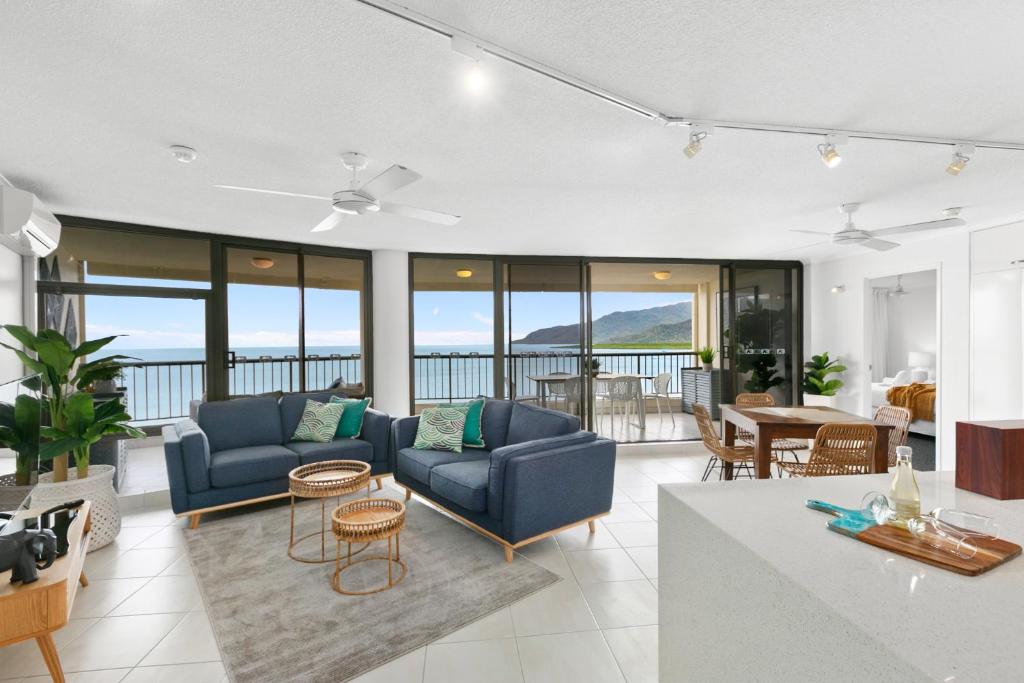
(855,524)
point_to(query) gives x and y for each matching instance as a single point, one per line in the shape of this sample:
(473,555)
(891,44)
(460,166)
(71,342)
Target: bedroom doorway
(904,353)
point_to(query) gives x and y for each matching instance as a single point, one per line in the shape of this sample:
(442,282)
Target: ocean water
(161,386)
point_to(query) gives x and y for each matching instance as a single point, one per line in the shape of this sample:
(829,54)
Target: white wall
(911,326)
(391,332)
(11,309)
(839,323)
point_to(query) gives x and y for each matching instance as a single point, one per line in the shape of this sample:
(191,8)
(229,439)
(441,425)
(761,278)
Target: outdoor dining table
(544,381)
(796,422)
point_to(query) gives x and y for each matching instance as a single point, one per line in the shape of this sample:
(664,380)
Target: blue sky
(262,316)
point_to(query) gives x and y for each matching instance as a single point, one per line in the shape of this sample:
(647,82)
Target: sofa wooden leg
(593,526)
(83,579)
(380,484)
(408,494)
(193,521)
(508,553)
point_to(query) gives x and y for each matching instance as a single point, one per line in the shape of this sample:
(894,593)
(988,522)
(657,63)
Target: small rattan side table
(365,521)
(323,480)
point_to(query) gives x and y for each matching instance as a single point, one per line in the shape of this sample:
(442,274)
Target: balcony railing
(163,390)
(453,377)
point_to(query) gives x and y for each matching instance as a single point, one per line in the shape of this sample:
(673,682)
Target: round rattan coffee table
(365,521)
(323,480)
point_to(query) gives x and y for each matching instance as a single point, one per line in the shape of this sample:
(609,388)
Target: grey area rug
(276,619)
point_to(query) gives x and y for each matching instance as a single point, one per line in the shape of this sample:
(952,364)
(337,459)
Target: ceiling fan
(851,235)
(365,197)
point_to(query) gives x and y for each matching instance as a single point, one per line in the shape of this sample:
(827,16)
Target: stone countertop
(944,625)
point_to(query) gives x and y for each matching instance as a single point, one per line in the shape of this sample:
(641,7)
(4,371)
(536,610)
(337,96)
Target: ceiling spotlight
(829,154)
(463,273)
(697,135)
(185,155)
(961,155)
(476,80)
(836,289)
(662,275)
(261,262)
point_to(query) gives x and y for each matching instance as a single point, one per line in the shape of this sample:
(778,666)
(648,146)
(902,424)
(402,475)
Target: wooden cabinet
(703,388)
(990,458)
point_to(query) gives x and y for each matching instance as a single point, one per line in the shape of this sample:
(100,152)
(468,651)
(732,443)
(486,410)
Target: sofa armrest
(403,435)
(501,457)
(377,432)
(187,454)
(548,489)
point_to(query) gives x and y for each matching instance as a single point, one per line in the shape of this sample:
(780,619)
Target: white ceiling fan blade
(810,232)
(329,223)
(277,192)
(421,214)
(915,227)
(879,245)
(390,180)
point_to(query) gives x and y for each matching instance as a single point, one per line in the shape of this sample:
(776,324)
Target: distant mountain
(650,325)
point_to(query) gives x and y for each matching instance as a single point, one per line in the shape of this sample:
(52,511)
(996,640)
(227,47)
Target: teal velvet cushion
(319,422)
(351,424)
(472,436)
(440,429)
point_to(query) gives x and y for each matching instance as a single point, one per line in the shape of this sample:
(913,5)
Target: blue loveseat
(240,451)
(538,473)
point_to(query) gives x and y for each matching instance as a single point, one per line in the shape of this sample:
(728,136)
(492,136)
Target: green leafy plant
(63,377)
(595,364)
(756,328)
(19,431)
(707,354)
(816,372)
(763,375)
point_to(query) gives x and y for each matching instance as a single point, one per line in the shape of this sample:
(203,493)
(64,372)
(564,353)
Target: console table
(38,609)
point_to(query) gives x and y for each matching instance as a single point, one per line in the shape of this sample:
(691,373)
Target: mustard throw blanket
(919,399)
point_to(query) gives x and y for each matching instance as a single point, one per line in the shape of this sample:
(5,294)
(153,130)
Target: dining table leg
(762,452)
(728,439)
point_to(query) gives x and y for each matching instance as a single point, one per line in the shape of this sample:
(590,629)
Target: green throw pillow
(319,422)
(472,436)
(440,429)
(351,424)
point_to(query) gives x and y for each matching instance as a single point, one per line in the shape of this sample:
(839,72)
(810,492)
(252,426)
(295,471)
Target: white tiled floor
(141,619)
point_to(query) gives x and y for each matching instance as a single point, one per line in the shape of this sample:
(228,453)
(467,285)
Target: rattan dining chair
(779,446)
(899,418)
(839,448)
(738,456)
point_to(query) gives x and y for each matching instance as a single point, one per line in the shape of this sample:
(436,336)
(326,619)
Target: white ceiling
(270,93)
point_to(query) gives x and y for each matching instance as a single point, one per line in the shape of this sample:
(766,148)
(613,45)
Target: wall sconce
(838,289)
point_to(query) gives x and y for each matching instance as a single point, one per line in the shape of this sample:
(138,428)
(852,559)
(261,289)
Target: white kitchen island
(753,587)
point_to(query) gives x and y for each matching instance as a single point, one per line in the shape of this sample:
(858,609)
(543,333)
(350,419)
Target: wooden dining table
(796,422)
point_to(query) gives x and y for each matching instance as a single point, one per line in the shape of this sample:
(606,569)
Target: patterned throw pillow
(440,429)
(351,424)
(319,422)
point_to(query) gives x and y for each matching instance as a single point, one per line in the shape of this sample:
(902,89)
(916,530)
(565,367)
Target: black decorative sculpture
(27,551)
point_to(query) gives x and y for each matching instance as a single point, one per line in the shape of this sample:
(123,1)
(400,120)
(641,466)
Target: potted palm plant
(75,423)
(818,389)
(707,357)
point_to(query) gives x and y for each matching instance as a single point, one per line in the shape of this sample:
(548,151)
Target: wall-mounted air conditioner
(26,226)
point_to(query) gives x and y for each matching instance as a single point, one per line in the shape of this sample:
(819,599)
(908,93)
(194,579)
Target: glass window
(333,315)
(453,330)
(127,258)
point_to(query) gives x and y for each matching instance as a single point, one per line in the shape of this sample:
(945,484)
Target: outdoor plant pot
(98,487)
(708,367)
(819,400)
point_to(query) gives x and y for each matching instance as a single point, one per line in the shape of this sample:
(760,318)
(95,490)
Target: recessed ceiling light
(185,155)
(463,273)
(261,262)
(662,275)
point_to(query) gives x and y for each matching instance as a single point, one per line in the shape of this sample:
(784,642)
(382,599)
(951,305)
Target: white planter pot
(98,488)
(819,400)
(708,367)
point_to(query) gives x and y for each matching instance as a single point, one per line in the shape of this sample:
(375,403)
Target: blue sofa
(240,451)
(538,474)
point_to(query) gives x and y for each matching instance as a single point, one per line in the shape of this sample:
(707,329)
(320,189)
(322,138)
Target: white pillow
(919,375)
(931,375)
(902,378)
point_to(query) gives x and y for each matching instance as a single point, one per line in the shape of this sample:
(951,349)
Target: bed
(909,382)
